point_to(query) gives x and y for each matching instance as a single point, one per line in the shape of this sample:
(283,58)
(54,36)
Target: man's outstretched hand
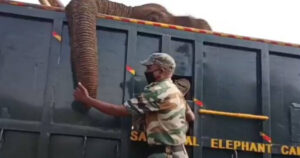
(81,94)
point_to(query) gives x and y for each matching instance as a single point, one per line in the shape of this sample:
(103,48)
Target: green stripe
(154,94)
(166,137)
(180,112)
(162,137)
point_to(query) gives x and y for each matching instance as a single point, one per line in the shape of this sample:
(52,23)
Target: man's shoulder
(161,87)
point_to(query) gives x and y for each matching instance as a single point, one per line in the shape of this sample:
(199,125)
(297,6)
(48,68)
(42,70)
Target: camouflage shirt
(164,108)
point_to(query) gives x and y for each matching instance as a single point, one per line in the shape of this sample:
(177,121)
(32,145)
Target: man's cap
(161,59)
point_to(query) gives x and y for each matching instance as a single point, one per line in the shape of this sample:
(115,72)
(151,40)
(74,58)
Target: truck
(245,91)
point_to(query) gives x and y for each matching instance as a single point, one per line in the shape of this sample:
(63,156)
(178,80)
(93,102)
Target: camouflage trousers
(177,154)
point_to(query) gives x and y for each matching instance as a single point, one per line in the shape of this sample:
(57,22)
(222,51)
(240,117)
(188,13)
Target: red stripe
(232,36)
(125,20)
(172,27)
(246,38)
(141,22)
(267,138)
(216,33)
(129,68)
(198,102)
(202,31)
(109,17)
(289,44)
(273,42)
(55,33)
(157,24)
(188,29)
(260,40)
(19,4)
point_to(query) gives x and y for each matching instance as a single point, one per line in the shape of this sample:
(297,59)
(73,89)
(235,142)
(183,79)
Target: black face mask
(149,77)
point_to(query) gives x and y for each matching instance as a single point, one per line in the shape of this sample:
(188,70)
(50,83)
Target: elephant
(81,15)
(53,3)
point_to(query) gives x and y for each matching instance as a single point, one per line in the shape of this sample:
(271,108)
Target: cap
(161,59)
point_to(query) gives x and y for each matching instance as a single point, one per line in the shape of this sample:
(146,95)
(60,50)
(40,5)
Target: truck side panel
(39,119)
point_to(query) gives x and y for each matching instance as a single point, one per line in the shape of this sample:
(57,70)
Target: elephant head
(82,28)
(158,13)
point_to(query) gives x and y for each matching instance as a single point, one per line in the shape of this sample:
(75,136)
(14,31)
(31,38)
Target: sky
(267,19)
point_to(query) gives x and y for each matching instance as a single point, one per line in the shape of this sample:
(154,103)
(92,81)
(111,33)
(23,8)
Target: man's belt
(166,148)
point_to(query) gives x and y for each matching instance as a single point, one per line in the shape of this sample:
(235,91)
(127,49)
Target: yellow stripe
(236,115)
(117,18)
(179,28)
(224,35)
(238,37)
(194,30)
(210,32)
(148,23)
(14,3)
(134,21)
(164,25)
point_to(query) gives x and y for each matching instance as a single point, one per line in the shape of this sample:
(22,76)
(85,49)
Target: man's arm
(189,114)
(81,94)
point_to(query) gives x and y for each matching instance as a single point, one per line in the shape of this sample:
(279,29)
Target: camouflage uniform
(164,108)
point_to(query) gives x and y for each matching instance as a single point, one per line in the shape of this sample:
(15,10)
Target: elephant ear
(151,12)
(191,22)
(155,17)
(158,17)
(158,13)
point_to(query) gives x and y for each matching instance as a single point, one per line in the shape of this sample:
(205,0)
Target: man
(162,104)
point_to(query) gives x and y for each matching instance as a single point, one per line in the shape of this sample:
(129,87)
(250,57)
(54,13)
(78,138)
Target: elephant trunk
(81,16)
(82,29)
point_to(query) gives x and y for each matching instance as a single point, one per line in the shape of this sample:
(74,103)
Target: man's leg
(180,154)
(158,155)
